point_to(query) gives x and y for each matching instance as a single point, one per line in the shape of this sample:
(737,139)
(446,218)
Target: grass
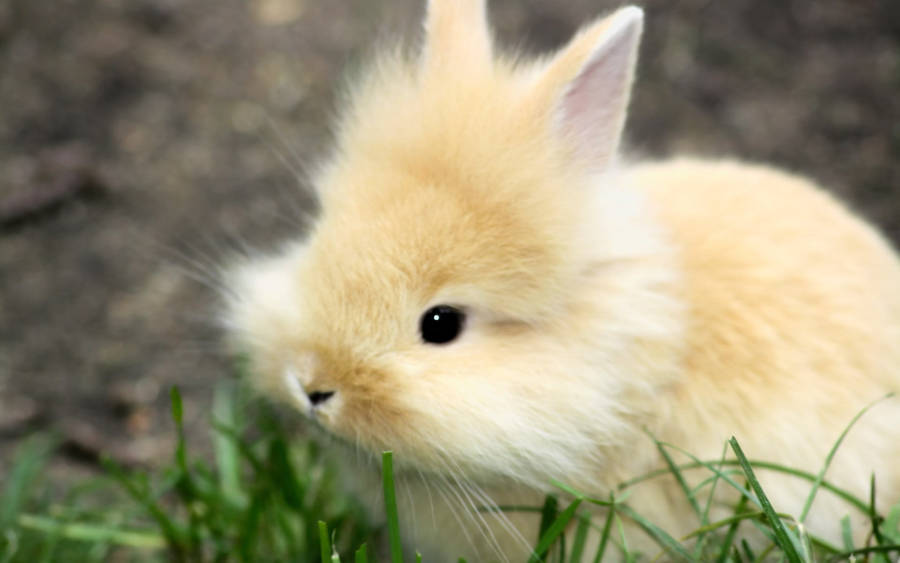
(267,497)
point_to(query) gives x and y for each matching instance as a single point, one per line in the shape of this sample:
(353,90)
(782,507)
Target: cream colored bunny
(493,295)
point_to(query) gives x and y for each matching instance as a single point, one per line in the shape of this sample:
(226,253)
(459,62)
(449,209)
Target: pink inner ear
(593,107)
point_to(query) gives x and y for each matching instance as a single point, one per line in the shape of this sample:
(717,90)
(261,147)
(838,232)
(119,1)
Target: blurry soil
(143,142)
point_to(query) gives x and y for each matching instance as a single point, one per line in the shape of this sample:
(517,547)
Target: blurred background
(143,142)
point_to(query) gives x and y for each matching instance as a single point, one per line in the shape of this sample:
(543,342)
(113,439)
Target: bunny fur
(692,300)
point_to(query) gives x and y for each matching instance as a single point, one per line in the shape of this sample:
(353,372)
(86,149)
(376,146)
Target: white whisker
(285,152)
(486,529)
(443,487)
(489,503)
(411,509)
(427,486)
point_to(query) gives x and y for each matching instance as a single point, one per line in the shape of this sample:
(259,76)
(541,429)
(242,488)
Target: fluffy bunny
(494,295)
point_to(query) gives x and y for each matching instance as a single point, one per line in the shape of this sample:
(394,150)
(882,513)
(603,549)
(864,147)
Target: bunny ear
(586,86)
(456,34)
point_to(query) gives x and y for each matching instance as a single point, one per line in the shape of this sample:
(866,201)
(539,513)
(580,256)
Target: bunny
(494,294)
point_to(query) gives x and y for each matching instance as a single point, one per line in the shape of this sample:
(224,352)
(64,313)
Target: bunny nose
(319,397)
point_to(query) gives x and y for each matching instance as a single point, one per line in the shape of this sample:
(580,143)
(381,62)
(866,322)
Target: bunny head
(478,284)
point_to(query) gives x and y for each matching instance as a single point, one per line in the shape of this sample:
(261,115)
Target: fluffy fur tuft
(696,300)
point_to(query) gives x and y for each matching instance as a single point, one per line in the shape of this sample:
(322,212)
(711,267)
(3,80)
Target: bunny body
(602,300)
(765,304)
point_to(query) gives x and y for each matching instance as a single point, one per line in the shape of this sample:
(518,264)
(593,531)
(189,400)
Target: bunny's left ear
(585,88)
(457,36)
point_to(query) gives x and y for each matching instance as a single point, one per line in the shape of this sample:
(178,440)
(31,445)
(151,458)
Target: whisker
(411,508)
(504,520)
(443,488)
(427,485)
(283,150)
(486,530)
(301,215)
(196,265)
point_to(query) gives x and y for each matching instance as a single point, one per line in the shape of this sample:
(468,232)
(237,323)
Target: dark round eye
(441,324)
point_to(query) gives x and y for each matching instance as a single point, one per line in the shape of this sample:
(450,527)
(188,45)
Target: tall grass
(267,497)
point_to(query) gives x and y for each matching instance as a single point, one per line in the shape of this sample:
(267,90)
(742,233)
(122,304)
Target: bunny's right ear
(585,88)
(457,36)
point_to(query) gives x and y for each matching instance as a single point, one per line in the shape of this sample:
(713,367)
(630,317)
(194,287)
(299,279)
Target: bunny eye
(441,324)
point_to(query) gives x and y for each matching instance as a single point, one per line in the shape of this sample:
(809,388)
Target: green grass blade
(227,453)
(607,528)
(362,555)
(709,465)
(729,521)
(177,406)
(169,528)
(178,419)
(581,532)
(679,478)
(184,480)
(805,542)
(93,533)
(873,514)
(50,541)
(561,548)
(548,514)
(324,542)
(675,550)
(283,474)
(626,553)
(711,482)
(243,447)
(418,557)
(845,495)
(821,475)
(824,547)
(186,488)
(846,533)
(851,555)
(891,526)
(29,458)
(249,526)
(510,508)
(700,546)
(335,557)
(553,531)
(785,541)
(578,494)
(11,539)
(732,531)
(390,507)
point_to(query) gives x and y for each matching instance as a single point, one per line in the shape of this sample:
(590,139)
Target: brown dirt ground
(142,141)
